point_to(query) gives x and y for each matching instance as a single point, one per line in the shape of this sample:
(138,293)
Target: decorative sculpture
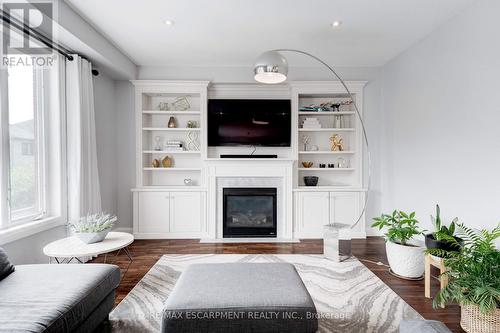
(193,143)
(336,143)
(166,162)
(305,141)
(181,104)
(172,123)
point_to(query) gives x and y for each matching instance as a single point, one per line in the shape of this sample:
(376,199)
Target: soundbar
(247,156)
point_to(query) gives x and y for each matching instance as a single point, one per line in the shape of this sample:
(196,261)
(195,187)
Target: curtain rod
(30,32)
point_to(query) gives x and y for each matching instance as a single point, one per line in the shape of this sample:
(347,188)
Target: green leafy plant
(94,223)
(401,226)
(474,271)
(442,232)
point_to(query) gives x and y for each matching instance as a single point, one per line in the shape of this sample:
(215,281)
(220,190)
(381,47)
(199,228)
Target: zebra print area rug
(348,296)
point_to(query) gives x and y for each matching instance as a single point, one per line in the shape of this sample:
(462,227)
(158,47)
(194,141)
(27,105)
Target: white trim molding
(15,233)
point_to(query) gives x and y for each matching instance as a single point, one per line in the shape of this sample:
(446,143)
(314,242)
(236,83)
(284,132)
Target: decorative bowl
(311,180)
(92,237)
(307,164)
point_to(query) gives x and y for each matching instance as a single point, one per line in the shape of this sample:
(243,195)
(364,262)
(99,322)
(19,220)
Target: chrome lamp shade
(271,67)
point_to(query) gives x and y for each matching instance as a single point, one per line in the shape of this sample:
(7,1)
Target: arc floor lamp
(271,67)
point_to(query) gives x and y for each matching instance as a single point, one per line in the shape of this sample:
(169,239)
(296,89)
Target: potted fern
(93,228)
(473,279)
(404,253)
(439,238)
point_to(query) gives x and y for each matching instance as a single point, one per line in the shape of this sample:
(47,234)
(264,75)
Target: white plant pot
(92,237)
(406,260)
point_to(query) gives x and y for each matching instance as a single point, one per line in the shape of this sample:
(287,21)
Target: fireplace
(249,212)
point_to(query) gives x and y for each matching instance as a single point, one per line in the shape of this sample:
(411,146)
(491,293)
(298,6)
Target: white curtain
(83,179)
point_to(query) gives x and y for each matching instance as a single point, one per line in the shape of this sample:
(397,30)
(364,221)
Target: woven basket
(473,321)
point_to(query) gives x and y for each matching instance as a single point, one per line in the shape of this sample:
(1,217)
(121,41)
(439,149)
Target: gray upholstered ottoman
(239,297)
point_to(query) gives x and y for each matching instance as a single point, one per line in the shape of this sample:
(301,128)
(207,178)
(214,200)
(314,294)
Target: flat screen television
(259,122)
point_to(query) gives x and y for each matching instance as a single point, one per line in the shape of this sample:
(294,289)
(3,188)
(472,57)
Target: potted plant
(405,254)
(473,279)
(439,239)
(93,228)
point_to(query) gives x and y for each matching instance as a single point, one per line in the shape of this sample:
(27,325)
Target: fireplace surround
(249,212)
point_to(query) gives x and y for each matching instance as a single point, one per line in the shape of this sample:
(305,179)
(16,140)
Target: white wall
(28,250)
(442,114)
(106,128)
(125,150)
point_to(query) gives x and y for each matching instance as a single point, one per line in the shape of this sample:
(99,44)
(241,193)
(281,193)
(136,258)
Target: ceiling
(235,32)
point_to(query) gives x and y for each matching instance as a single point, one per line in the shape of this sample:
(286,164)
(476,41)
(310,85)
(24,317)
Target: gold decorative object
(181,104)
(172,123)
(156,163)
(336,143)
(166,162)
(307,164)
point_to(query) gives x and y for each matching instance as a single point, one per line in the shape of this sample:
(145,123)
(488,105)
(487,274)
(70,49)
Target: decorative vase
(311,180)
(473,321)
(171,122)
(92,237)
(406,260)
(166,162)
(155,163)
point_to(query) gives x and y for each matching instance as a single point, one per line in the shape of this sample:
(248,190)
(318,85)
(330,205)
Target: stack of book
(311,123)
(174,145)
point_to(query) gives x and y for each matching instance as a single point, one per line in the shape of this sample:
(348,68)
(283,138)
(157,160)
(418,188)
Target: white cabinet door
(313,210)
(154,212)
(186,212)
(345,208)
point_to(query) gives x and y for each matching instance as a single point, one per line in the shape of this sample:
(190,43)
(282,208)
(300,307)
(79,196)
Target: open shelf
(182,129)
(188,152)
(172,169)
(326,129)
(169,112)
(326,152)
(326,169)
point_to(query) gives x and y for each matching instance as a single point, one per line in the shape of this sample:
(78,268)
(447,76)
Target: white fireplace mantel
(250,173)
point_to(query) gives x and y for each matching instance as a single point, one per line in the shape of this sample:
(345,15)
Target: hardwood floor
(369,251)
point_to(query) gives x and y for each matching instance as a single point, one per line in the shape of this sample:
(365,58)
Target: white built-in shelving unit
(165,207)
(152,122)
(318,150)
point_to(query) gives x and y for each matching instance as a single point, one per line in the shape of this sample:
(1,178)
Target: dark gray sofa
(56,298)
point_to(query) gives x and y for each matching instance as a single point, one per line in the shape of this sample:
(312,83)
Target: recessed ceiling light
(336,24)
(168,22)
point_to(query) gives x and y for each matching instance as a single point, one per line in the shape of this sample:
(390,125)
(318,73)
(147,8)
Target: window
(32,177)
(26,195)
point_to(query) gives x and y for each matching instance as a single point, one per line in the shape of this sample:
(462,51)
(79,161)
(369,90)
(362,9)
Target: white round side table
(71,248)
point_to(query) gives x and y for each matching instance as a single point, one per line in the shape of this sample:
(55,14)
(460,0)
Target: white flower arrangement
(93,223)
